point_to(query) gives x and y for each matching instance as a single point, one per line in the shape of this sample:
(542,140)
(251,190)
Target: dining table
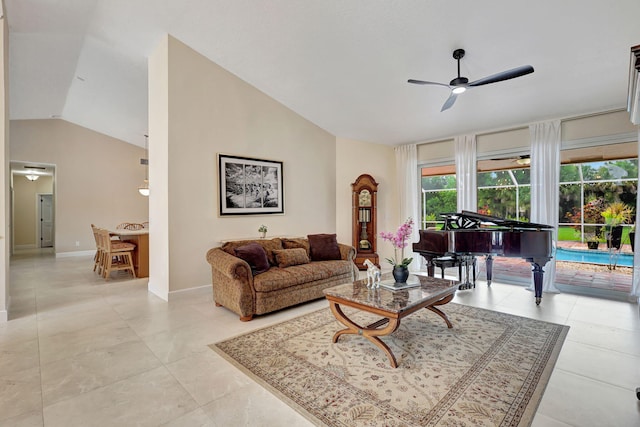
(141,253)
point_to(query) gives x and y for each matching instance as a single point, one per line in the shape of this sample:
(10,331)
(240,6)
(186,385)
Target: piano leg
(430,266)
(473,266)
(489,264)
(538,276)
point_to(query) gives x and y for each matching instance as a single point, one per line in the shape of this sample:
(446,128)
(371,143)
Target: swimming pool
(592,257)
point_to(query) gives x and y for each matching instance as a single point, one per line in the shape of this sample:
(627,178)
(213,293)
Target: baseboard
(22,247)
(76,253)
(176,293)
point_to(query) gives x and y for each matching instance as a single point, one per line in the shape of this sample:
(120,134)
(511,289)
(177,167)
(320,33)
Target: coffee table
(392,305)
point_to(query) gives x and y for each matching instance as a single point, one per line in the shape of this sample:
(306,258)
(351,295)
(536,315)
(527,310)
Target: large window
(438,196)
(587,189)
(505,193)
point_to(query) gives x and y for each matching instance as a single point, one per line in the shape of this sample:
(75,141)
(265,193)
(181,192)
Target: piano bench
(455,261)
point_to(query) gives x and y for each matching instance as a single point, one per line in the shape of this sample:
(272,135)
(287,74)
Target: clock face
(364,198)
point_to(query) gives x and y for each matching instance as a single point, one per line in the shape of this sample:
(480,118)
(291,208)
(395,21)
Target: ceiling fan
(461,84)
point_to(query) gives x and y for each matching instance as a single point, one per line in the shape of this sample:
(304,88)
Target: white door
(46,220)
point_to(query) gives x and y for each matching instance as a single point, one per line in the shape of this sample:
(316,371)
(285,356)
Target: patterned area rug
(489,370)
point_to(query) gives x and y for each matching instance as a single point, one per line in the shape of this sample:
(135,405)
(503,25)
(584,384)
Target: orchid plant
(399,240)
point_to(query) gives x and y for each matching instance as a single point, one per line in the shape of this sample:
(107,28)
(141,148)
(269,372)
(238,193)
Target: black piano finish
(514,239)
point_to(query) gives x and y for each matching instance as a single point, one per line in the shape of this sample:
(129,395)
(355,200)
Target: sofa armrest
(230,266)
(232,283)
(347,252)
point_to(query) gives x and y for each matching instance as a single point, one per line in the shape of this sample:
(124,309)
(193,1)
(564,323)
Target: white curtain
(407,173)
(635,288)
(466,171)
(545,176)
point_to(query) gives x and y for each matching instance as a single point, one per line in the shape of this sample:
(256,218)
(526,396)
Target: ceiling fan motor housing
(458,54)
(459,81)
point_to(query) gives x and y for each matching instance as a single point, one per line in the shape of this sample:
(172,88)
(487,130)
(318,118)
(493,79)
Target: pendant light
(144,188)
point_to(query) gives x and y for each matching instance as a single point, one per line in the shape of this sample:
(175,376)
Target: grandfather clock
(364,197)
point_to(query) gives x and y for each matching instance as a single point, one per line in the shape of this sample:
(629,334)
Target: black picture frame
(249,186)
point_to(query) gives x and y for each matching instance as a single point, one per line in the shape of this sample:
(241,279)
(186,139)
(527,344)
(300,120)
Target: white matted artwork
(249,186)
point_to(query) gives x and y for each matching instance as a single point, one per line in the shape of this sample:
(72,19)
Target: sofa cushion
(324,247)
(269,246)
(289,257)
(296,243)
(255,256)
(280,278)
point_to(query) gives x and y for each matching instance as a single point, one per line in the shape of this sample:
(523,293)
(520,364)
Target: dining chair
(97,258)
(132,226)
(116,255)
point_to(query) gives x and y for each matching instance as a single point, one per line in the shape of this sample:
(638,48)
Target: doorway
(45,219)
(32,226)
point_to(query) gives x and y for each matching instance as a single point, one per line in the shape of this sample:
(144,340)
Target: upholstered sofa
(253,277)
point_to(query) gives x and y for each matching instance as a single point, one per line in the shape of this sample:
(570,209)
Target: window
(439,196)
(586,189)
(505,193)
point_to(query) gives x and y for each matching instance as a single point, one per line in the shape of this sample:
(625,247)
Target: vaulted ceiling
(342,64)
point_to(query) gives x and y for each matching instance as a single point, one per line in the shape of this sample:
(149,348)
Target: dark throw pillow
(255,256)
(289,257)
(323,247)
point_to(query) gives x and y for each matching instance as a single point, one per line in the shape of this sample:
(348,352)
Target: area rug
(490,369)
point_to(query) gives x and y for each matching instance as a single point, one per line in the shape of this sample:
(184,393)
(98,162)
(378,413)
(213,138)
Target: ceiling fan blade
(422,82)
(449,102)
(505,75)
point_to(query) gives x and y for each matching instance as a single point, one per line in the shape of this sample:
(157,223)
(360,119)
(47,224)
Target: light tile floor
(79,351)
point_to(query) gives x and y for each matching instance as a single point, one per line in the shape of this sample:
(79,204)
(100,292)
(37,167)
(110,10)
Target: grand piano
(471,234)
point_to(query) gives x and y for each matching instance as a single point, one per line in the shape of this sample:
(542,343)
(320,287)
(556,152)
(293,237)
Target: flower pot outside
(614,237)
(632,240)
(400,274)
(593,245)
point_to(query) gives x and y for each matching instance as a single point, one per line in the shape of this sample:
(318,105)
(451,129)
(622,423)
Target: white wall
(158,170)
(4,168)
(96,177)
(204,110)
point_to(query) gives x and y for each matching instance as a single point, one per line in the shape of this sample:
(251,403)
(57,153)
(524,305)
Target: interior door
(46,220)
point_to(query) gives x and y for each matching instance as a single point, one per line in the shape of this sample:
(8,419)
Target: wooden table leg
(439,312)
(370,332)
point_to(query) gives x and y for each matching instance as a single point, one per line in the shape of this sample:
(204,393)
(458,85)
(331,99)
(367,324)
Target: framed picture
(249,186)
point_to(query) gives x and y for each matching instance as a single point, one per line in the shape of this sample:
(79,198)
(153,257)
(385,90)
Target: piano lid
(471,220)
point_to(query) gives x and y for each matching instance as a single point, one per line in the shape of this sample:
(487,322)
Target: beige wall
(25,208)
(206,111)
(96,177)
(354,158)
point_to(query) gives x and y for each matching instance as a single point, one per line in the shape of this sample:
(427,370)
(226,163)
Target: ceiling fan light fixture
(144,188)
(458,90)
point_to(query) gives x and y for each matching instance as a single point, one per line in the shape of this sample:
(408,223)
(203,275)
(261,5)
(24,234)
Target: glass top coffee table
(392,305)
